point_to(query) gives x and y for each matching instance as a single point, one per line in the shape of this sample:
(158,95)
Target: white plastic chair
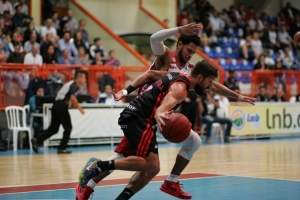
(217,131)
(16,119)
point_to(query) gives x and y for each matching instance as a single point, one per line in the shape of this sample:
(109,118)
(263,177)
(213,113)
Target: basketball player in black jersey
(138,121)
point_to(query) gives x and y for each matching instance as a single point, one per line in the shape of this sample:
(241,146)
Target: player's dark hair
(205,69)
(78,74)
(186,39)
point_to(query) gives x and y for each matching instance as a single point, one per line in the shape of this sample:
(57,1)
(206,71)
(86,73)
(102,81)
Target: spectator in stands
(55,20)
(295,27)
(34,57)
(20,20)
(278,57)
(97,60)
(107,98)
(255,23)
(272,35)
(269,60)
(71,21)
(6,5)
(66,59)
(29,44)
(97,48)
(183,15)
(50,56)
(280,77)
(16,56)
(278,96)
(284,38)
(282,20)
(250,14)
(247,51)
(261,65)
(79,42)
(37,123)
(48,28)
(24,7)
(262,95)
(15,40)
(217,23)
(112,61)
(82,58)
(188,107)
(256,45)
(5,48)
(288,60)
(193,12)
(64,43)
(289,11)
(21,77)
(3,56)
(231,82)
(83,31)
(209,104)
(48,41)
(247,30)
(8,22)
(64,27)
(31,29)
(241,10)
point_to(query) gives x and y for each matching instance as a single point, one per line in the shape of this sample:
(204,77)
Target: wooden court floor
(270,160)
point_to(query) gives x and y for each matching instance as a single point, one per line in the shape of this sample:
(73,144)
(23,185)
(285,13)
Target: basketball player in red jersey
(177,61)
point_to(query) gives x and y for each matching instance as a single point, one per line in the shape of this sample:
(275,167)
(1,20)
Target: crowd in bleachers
(243,39)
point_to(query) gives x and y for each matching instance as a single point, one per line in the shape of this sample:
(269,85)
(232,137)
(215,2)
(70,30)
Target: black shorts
(140,135)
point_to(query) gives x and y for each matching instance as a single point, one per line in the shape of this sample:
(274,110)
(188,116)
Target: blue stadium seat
(234,64)
(234,42)
(245,65)
(219,52)
(231,53)
(224,63)
(225,42)
(240,32)
(208,51)
(231,32)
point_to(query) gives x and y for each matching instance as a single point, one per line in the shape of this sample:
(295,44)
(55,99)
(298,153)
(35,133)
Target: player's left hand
(118,96)
(247,99)
(162,118)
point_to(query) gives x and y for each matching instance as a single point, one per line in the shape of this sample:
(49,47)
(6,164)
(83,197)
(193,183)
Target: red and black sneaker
(83,193)
(174,189)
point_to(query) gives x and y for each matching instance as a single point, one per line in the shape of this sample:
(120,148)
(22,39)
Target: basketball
(177,129)
(297,38)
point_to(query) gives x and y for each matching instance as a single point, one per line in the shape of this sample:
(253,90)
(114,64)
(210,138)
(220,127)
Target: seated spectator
(107,98)
(217,23)
(278,57)
(48,28)
(20,20)
(272,36)
(247,51)
(278,96)
(71,21)
(256,45)
(22,79)
(188,107)
(15,40)
(24,7)
(281,20)
(231,82)
(5,48)
(284,37)
(82,58)
(97,60)
(289,11)
(8,22)
(295,27)
(250,13)
(288,60)
(29,44)
(79,42)
(37,122)
(50,56)
(183,15)
(261,63)
(34,57)
(66,59)
(3,56)
(97,48)
(64,27)
(269,60)
(262,95)
(31,29)
(48,41)
(255,23)
(209,104)
(16,56)
(6,5)
(83,31)
(55,20)
(280,76)
(64,43)
(112,59)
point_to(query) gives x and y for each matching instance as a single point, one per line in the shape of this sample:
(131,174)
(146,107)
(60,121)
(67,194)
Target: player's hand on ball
(190,29)
(161,119)
(118,96)
(247,99)
(297,38)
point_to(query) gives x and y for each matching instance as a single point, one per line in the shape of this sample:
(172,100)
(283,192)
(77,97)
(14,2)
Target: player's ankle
(92,184)
(172,178)
(125,194)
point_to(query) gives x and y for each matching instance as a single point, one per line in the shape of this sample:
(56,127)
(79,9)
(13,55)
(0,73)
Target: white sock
(92,184)
(173,178)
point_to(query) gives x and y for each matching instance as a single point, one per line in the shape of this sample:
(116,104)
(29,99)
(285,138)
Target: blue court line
(214,188)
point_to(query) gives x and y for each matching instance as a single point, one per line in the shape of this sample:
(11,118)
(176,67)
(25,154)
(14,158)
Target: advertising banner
(265,118)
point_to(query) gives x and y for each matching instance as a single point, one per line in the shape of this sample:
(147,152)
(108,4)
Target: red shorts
(123,147)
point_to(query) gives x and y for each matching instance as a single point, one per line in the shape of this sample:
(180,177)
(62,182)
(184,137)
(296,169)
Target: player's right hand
(190,29)
(117,96)
(161,118)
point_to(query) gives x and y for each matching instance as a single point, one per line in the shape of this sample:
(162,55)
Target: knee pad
(115,157)
(190,145)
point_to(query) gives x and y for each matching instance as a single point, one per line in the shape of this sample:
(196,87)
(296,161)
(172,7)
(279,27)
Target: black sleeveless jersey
(145,105)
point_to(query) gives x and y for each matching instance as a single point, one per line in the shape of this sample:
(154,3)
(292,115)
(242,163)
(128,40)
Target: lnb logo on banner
(238,119)
(254,120)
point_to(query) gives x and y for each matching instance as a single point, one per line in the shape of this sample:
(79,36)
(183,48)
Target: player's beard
(199,89)
(180,57)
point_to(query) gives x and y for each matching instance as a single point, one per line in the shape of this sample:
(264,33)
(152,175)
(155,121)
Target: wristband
(125,93)
(130,89)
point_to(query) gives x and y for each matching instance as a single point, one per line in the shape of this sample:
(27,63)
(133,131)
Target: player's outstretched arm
(146,77)
(176,94)
(224,91)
